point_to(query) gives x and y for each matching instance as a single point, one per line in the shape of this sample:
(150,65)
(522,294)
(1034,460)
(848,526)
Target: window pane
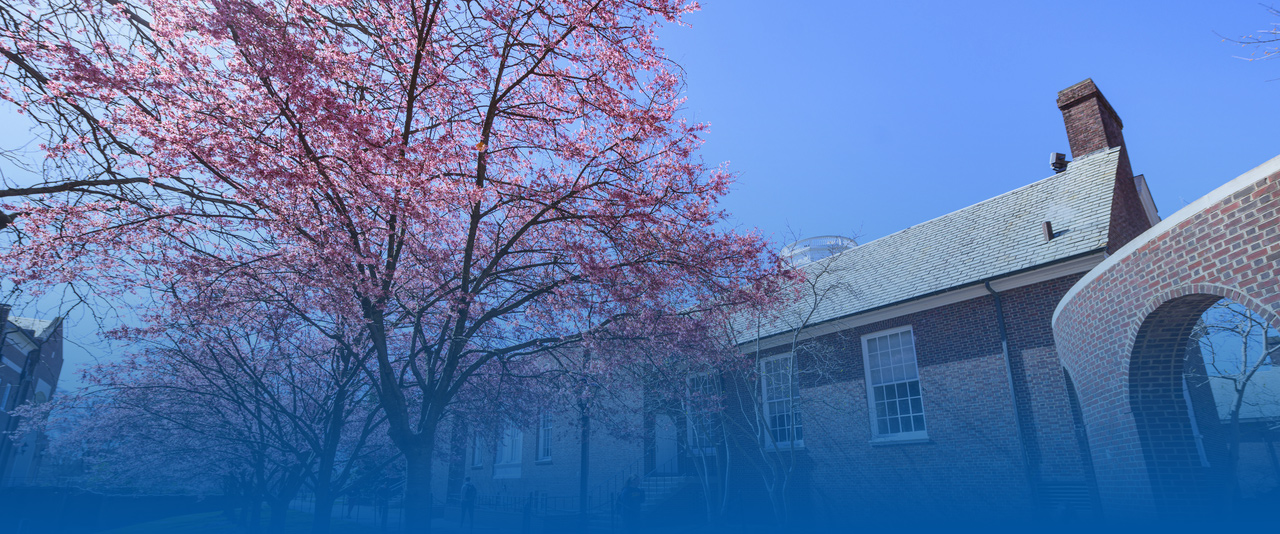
(777,381)
(893,383)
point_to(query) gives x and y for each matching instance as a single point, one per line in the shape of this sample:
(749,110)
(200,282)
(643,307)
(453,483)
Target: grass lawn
(216,523)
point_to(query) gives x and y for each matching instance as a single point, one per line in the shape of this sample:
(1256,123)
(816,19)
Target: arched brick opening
(1123,335)
(1167,415)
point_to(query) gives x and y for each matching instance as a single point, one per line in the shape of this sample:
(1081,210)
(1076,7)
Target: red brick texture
(1123,338)
(972,465)
(1093,125)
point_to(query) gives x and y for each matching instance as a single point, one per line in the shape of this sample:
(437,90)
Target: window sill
(543,462)
(785,448)
(882,442)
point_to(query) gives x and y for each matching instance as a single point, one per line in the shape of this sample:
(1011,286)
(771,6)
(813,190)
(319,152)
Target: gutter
(1013,395)
(935,293)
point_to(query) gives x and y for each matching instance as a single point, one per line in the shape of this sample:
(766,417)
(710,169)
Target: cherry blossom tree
(1265,42)
(263,410)
(458,185)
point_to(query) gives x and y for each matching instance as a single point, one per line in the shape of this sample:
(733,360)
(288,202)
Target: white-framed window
(780,396)
(477,446)
(510,449)
(893,385)
(544,437)
(511,445)
(702,409)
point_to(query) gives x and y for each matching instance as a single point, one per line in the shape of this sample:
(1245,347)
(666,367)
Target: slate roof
(993,237)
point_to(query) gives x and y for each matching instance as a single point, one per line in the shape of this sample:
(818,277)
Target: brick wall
(972,463)
(1093,125)
(1123,336)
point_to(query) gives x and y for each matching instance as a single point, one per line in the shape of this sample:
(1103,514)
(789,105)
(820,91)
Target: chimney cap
(1083,90)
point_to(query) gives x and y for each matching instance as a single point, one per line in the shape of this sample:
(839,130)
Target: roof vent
(815,248)
(1058,161)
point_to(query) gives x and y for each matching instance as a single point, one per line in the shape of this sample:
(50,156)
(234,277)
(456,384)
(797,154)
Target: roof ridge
(1081,159)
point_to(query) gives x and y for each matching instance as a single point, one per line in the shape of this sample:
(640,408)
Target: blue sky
(863,118)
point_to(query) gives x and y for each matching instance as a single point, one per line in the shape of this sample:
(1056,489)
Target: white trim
(510,454)
(876,437)
(1043,274)
(12,365)
(1148,203)
(477,445)
(511,447)
(1272,166)
(765,426)
(543,442)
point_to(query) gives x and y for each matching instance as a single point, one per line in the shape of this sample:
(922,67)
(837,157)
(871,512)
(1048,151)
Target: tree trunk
(417,486)
(324,472)
(279,512)
(323,513)
(778,490)
(255,514)
(584,466)
(1233,452)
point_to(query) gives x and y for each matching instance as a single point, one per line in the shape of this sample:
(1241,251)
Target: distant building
(30,364)
(1259,468)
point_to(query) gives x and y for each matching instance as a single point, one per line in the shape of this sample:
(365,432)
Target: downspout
(1013,396)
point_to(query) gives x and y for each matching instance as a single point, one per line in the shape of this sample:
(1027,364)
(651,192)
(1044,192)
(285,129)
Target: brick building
(941,387)
(1122,331)
(30,363)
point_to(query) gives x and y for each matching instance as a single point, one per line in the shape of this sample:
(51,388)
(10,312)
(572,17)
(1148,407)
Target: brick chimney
(1092,124)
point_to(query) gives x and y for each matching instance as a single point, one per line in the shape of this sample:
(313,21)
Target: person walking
(631,499)
(382,503)
(468,504)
